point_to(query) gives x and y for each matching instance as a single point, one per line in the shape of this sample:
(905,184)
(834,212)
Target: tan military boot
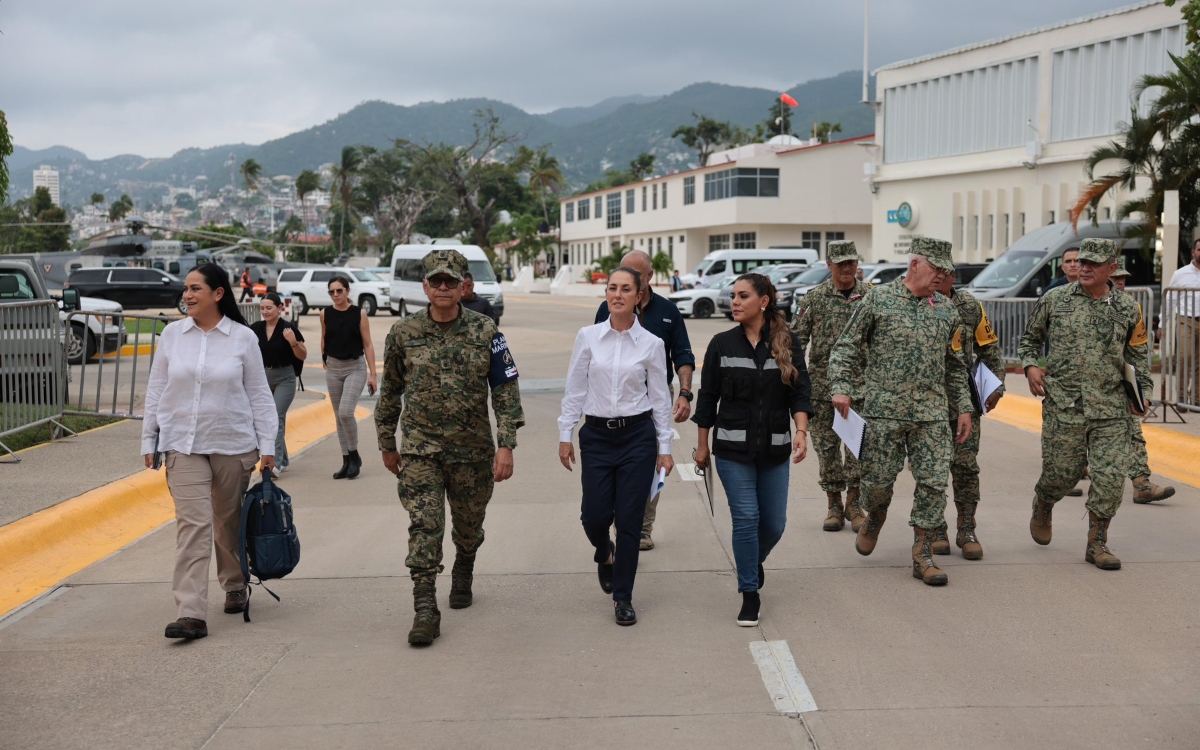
(833,519)
(1040,527)
(868,533)
(1145,491)
(854,511)
(427,624)
(1097,547)
(941,542)
(461,577)
(966,539)
(924,567)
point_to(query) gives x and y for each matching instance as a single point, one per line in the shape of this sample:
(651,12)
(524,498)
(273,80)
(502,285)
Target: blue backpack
(268,546)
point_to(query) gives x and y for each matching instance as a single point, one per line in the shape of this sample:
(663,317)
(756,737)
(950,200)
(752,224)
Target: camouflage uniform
(977,337)
(444,379)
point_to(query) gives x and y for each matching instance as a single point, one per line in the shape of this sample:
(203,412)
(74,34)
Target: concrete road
(1029,648)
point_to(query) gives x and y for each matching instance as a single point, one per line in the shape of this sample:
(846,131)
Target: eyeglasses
(437,282)
(337,290)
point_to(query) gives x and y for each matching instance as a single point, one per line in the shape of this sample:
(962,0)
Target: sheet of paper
(851,430)
(660,478)
(986,384)
(709,473)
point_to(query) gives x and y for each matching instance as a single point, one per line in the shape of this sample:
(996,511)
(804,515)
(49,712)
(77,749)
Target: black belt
(617,423)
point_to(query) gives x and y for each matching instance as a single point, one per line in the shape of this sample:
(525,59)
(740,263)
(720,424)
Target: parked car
(882,273)
(408,272)
(701,302)
(132,288)
(726,262)
(784,273)
(309,288)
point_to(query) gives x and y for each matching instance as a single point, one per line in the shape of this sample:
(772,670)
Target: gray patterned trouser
(346,379)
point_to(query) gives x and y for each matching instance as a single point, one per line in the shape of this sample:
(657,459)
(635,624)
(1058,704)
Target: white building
(981,144)
(47,177)
(756,196)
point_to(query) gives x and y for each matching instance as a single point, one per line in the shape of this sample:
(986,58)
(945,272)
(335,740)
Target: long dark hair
(637,281)
(216,277)
(781,336)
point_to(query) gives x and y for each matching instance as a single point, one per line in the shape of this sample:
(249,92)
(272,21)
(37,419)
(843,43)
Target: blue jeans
(758,505)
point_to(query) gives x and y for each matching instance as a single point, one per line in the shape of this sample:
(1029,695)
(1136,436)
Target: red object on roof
(788,100)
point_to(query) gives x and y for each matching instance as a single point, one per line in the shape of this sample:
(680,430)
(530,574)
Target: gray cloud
(135,76)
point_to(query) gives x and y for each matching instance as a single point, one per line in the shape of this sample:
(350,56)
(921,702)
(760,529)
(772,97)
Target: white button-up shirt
(1187,277)
(617,374)
(208,392)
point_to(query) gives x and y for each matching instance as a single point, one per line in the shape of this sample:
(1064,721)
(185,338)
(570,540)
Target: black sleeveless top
(343,337)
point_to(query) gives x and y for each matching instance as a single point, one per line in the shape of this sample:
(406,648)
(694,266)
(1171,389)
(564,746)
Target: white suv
(309,288)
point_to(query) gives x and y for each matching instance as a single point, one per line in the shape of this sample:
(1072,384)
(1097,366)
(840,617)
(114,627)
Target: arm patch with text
(503,369)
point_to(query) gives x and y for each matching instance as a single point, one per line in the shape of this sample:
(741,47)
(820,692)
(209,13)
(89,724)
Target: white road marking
(782,678)
(687,473)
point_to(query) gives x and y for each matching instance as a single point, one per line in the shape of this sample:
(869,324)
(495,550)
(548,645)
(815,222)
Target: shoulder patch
(984,333)
(1139,337)
(956,342)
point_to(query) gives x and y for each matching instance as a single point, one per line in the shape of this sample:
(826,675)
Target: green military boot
(833,519)
(1098,552)
(966,539)
(854,511)
(427,624)
(924,568)
(868,533)
(1145,491)
(460,581)
(941,541)
(1040,526)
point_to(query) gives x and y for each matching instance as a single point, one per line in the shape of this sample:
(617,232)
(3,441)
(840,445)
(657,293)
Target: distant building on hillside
(47,177)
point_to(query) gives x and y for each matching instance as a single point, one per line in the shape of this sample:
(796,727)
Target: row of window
(812,240)
(652,197)
(580,253)
(743,182)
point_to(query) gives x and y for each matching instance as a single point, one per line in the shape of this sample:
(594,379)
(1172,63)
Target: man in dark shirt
(1070,268)
(473,301)
(662,318)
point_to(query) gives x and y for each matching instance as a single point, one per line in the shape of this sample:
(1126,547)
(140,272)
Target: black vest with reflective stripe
(753,418)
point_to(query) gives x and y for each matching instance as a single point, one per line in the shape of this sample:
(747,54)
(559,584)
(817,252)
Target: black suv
(131,287)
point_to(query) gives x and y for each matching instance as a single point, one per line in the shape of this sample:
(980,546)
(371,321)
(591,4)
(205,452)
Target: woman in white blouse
(209,410)
(617,382)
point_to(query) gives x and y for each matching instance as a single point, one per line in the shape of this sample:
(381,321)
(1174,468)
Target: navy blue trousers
(617,467)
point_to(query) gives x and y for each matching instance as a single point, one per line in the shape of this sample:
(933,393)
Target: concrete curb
(1172,454)
(41,550)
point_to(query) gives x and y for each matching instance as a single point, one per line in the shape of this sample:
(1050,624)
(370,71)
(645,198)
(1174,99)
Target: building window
(974,238)
(654,193)
(1051,221)
(745,240)
(991,231)
(664,192)
(718,242)
(681,239)
(689,190)
(742,183)
(659,243)
(614,210)
(1022,223)
(645,190)
(570,211)
(671,247)
(1007,231)
(585,209)
(958,231)
(811,240)
(599,207)
(630,200)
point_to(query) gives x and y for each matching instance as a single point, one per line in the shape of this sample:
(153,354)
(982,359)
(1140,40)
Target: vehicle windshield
(716,283)
(1008,269)
(700,269)
(365,276)
(813,276)
(481,270)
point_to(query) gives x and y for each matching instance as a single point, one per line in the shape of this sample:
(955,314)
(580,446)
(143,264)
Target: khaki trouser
(1188,352)
(208,492)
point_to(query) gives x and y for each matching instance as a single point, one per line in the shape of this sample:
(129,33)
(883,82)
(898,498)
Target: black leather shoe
(341,473)
(625,613)
(190,628)
(604,571)
(762,575)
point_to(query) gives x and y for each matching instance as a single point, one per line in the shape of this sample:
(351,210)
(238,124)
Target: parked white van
(408,271)
(736,262)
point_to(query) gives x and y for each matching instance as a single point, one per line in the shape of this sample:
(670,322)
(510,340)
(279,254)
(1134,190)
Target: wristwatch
(685,394)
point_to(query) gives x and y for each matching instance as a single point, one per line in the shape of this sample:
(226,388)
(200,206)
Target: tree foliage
(708,135)
(120,208)
(824,131)
(39,225)
(97,199)
(6,150)
(345,173)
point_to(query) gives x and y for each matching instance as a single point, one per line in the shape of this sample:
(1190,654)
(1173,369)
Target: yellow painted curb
(1173,454)
(128,350)
(39,551)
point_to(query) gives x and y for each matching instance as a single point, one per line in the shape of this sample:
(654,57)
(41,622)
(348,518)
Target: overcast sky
(134,76)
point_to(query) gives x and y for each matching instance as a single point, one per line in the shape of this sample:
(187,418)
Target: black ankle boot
(341,473)
(355,467)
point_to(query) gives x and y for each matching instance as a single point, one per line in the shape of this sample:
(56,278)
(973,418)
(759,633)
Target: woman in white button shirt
(209,410)
(617,382)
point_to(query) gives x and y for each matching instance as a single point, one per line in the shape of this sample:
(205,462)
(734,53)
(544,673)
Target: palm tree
(97,198)
(252,174)
(344,174)
(545,176)
(306,182)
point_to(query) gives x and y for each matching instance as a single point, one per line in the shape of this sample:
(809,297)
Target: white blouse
(208,392)
(617,374)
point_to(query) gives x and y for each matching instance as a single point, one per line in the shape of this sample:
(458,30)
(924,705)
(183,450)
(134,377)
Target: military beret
(1098,251)
(448,262)
(937,252)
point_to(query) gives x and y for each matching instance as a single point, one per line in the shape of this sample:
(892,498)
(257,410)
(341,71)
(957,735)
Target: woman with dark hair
(209,409)
(347,354)
(753,387)
(617,382)
(283,354)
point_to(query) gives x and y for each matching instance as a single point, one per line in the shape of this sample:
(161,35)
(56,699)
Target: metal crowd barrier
(1181,348)
(114,380)
(1008,317)
(33,372)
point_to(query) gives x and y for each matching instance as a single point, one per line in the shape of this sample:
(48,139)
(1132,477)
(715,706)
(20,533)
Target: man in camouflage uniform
(822,316)
(901,345)
(1093,332)
(976,338)
(1144,491)
(443,361)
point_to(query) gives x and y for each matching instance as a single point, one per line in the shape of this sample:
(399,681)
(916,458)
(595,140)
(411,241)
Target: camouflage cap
(937,252)
(842,250)
(1121,267)
(448,262)
(1098,251)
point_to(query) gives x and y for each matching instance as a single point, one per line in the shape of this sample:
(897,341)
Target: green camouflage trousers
(425,483)
(1141,460)
(964,467)
(837,473)
(928,446)
(1070,443)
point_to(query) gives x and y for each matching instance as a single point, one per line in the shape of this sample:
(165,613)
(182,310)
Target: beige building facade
(982,144)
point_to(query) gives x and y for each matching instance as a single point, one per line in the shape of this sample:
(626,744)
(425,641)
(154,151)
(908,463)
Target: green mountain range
(586,140)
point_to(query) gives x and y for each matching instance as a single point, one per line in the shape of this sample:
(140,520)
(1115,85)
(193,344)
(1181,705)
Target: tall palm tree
(545,176)
(306,182)
(344,174)
(251,172)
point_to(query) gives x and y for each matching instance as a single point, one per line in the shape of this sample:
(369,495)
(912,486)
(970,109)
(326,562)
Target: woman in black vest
(347,355)
(753,387)
(282,346)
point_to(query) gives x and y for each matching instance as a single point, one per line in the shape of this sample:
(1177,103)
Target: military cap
(448,262)
(842,250)
(1098,251)
(1121,267)
(937,252)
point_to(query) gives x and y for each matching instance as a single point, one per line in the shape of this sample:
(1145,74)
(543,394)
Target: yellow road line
(1173,454)
(40,551)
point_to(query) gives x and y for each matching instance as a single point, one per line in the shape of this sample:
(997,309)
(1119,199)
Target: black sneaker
(748,617)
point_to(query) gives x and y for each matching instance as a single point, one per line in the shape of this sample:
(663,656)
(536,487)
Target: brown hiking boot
(833,519)
(924,567)
(1145,491)
(941,542)
(1098,552)
(460,581)
(868,533)
(966,539)
(427,624)
(187,627)
(1040,527)
(235,601)
(854,511)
